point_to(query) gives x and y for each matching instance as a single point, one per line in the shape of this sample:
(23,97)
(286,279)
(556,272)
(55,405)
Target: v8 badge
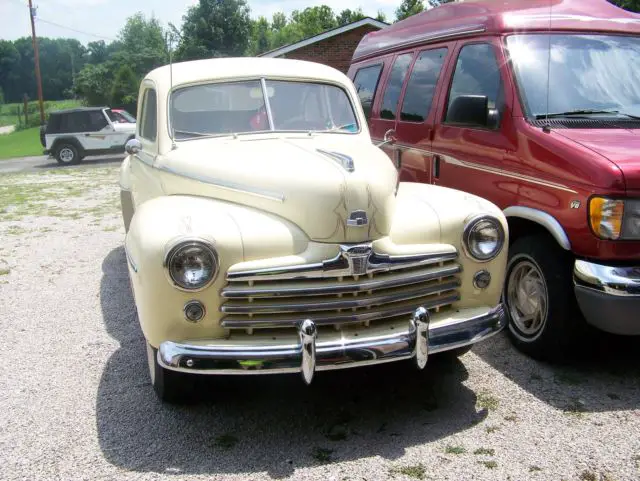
(575,204)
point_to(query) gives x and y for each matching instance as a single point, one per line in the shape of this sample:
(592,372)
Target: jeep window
(394,86)
(97,120)
(366,82)
(422,85)
(477,73)
(112,115)
(589,74)
(240,107)
(76,122)
(149,125)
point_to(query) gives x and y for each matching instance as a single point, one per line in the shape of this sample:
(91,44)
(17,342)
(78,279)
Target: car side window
(149,124)
(76,122)
(394,86)
(366,82)
(97,121)
(422,84)
(477,74)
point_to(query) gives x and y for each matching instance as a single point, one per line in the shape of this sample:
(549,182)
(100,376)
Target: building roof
(325,35)
(471,17)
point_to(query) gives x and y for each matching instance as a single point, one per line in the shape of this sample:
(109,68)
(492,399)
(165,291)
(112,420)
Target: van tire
(539,278)
(67,154)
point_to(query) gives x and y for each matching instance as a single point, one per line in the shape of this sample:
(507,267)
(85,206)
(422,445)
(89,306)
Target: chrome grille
(358,286)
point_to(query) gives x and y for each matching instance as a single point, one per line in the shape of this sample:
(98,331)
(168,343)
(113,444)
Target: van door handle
(436,166)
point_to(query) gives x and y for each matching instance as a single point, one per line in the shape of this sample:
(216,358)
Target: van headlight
(615,219)
(483,238)
(192,265)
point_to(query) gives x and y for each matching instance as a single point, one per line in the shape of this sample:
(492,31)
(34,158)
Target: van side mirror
(133,146)
(469,110)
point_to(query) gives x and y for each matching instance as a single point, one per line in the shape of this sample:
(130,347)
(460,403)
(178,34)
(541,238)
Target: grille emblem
(357,257)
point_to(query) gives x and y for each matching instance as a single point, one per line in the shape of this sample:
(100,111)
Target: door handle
(436,166)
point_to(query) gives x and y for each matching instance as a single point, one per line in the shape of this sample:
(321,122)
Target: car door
(469,154)
(415,118)
(99,134)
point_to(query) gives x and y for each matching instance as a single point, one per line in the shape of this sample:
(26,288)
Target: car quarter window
(366,82)
(422,84)
(394,86)
(97,120)
(149,124)
(76,122)
(477,74)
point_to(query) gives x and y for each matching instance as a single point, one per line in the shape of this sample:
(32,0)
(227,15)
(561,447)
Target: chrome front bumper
(609,296)
(417,341)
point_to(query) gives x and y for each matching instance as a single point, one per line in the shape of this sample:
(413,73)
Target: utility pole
(36,56)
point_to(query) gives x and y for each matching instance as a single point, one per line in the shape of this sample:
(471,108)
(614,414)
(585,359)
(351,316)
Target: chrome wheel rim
(66,154)
(527,298)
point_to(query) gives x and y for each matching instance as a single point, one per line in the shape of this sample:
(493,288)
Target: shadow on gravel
(271,424)
(604,376)
(88,162)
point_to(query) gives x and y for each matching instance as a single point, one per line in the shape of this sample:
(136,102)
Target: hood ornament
(358,218)
(344,160)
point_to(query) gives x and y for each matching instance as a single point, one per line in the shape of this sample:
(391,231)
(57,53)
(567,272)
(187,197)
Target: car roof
(474,17)
(216,69)
(76,109)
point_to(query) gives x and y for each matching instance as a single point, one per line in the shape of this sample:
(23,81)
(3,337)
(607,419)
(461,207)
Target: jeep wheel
(544,319)
(170,386)
(67,154)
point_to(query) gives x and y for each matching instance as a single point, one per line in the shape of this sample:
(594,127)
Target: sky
(90,20)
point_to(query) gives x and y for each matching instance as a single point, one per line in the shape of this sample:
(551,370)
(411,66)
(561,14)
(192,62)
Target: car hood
(318,182)
(620,146)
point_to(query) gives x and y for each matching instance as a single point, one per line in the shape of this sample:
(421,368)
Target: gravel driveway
(76,403)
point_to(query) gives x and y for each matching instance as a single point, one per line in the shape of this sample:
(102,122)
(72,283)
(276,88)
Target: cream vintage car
(267,234)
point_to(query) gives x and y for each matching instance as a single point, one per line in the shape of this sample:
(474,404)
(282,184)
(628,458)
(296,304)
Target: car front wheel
(67,154)
(544,318)
(170,386)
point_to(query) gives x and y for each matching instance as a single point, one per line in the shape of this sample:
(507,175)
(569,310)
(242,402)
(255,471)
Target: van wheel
(170,386)
(544,318)
(67,154)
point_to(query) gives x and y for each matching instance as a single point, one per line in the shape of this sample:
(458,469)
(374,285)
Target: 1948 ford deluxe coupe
(267,234)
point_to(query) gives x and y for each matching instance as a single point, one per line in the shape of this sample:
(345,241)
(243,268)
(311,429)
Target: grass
(322,455)
(21,144)
(417,471)
(534,469)
(4,272)
(226,441)
(489,464)
(487,401)
(8,117)
(491,429)
(485,451)
(455,450)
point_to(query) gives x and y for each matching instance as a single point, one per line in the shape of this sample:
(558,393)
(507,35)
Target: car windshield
(127,116)
(589,74)
(241,107)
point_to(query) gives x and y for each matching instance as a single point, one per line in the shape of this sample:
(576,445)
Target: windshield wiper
(192,134)
(571,113)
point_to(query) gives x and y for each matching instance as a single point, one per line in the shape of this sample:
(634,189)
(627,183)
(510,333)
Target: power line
(75,30)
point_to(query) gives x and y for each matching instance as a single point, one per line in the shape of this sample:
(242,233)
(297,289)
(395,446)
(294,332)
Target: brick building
(334,47)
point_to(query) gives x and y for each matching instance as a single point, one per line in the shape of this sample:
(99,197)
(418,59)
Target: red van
(534,105)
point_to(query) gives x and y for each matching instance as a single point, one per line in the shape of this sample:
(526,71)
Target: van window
(394,86)
(366,82)
(149,124)
(422,84)
(477,73)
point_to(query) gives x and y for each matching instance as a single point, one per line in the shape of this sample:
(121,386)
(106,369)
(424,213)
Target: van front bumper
(609,296)
(416,340)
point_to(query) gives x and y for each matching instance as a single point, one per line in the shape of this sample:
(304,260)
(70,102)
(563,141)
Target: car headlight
(192,265)
(615,219)
(484,238)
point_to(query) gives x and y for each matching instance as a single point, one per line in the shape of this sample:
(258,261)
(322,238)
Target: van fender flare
(542,218)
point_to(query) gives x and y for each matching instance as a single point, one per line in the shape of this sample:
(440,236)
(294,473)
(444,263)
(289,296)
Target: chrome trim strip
(343,160)
(339,267)
(426,38)
(224,184)
(307,289)
(297,305)
(217,357)
(324,319)
(611,280)
(545,220)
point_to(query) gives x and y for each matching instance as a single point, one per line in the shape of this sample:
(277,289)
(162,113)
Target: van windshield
(241,107)
(589,74)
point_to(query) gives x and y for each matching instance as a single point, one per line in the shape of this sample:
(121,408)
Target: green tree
(215,28)
(124,92)
(93,83)
(631,5)
(349,16)
(408,8)
(260,36)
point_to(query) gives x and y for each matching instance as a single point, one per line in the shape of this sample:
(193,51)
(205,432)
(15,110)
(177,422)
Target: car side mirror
(389,138)
(133,146)
(469,110)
